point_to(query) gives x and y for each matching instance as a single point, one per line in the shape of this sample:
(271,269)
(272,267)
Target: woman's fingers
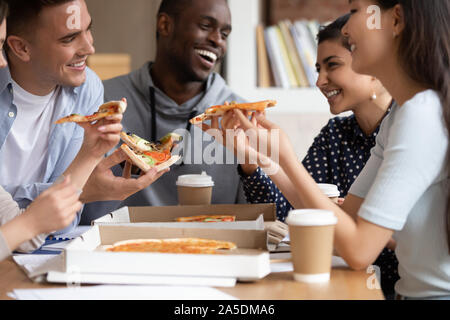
(215,123)
(244,122)
(262,121)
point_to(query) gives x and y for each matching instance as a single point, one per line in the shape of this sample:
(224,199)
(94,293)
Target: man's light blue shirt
(65,140)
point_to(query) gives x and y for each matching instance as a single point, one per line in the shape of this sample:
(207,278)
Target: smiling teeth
(77,65)
(208,54)
(333,93)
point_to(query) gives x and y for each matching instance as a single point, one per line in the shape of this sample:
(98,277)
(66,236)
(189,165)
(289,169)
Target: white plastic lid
(311,218)
(330,190)
(195,181)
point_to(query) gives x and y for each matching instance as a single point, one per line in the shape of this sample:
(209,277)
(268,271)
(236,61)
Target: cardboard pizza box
(243,212)
(86,257)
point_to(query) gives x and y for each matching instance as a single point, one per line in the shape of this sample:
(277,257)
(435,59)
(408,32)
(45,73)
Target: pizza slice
(178,246)
(108,109)
(219,111)
(147,155)
(208,218)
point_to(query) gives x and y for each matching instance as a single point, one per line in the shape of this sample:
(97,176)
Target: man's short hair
(173,7)
(3,10)
(24,13)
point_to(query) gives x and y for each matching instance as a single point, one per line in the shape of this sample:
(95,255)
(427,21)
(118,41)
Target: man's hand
(103,185)
(102,136)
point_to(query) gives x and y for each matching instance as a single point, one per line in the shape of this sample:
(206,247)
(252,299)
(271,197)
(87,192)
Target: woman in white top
(403,190)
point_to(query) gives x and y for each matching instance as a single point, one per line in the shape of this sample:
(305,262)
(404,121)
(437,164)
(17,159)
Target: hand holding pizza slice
(106,110)
(219,111)
(147,155)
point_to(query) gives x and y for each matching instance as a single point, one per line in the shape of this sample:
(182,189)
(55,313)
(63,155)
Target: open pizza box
(86,261)
(248,217)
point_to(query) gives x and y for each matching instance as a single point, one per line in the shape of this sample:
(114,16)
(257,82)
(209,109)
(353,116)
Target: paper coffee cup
(331,191)
(195,189)
(312,238)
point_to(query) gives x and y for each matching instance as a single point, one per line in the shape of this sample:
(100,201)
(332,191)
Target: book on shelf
(263,60)
(276,59)
(291,49)
(308,50)
(294,58)
(293,83)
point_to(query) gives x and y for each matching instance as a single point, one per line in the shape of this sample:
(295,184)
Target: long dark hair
(424,52)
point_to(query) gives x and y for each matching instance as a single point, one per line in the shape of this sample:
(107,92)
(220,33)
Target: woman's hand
(54,209)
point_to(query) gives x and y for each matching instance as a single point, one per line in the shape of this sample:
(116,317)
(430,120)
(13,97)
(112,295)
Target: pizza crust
(168,163)
(106,106)
(130,142)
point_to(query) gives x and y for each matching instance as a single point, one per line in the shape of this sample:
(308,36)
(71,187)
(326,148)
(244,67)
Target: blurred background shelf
(242,64)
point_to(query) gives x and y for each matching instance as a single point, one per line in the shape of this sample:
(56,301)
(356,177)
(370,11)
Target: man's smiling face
(199,38)
(59,49)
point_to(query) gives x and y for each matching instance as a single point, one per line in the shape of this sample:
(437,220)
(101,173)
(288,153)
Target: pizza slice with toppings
(178,246)
(147,155)
(108,109)
(219,111)
(208,218)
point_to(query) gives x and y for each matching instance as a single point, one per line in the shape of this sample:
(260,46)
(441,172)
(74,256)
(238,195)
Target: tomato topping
(159,156)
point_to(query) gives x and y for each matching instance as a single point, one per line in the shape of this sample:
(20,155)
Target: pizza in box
(176,246)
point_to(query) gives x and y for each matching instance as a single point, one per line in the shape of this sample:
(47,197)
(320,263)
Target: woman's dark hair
(333,31)
(424,52)
(3,10)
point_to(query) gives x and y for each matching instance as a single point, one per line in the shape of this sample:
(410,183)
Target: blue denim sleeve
(89,99)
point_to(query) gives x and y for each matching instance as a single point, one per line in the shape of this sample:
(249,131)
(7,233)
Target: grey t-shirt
(405,186)
(201,151)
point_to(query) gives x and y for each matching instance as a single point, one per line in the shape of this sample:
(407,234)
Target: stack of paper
(122,293)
